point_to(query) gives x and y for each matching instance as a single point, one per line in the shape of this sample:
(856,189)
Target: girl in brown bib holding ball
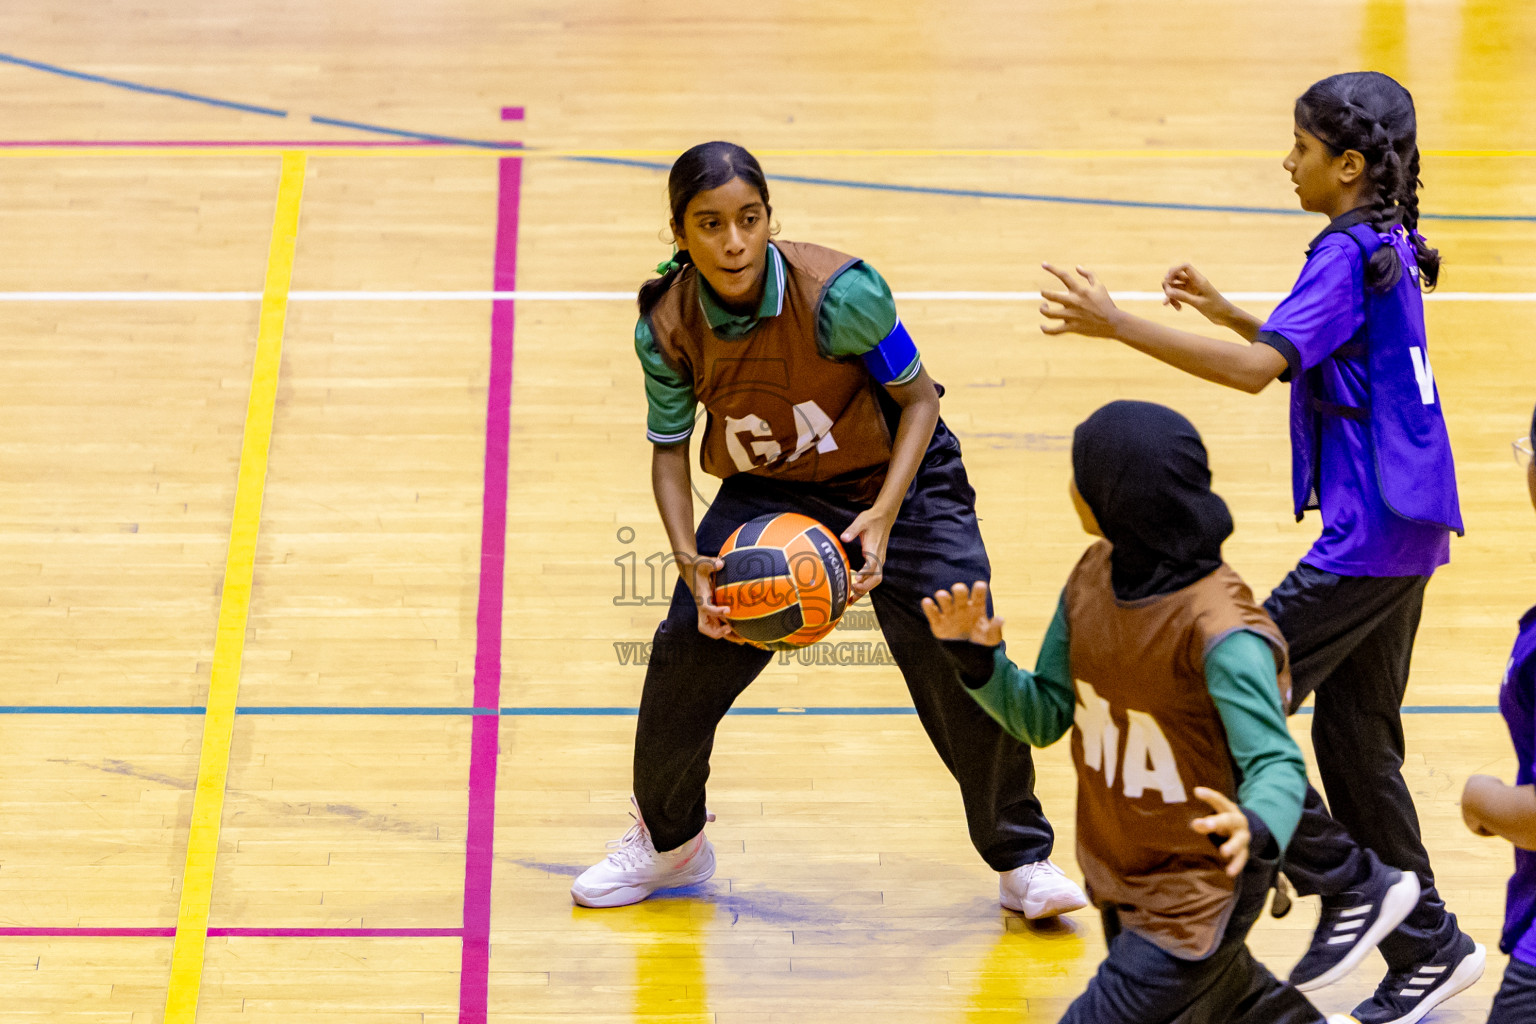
(817,404)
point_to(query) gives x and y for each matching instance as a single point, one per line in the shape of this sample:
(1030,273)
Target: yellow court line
(666,155)
(234,606)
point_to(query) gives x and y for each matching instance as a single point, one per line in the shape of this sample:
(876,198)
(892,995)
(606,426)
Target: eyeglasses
(1522,447)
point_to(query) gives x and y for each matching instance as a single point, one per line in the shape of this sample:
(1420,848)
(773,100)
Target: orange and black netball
(785,581)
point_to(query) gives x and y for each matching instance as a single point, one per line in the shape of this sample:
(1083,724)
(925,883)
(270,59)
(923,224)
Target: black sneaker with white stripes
(1404,997)
(1352,924)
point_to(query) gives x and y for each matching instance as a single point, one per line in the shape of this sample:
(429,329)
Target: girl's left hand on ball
(1084,308)
(872,529)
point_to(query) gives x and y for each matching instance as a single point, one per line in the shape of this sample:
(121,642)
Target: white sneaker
(1341,1018)
(634,869)
(1039,890)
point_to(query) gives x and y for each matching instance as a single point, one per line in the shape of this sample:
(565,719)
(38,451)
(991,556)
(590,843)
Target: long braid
(1409,198)
(1428,259)
(1384,177)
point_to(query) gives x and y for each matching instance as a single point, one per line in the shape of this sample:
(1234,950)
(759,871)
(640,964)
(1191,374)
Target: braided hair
(705,166)
(1372,114)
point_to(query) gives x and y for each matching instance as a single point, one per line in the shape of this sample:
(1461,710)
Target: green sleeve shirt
(1240,675)
(1037,707)
(857,313)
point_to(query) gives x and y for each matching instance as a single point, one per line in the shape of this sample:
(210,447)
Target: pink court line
(92,933)
(184,143)
(475,967)
(259,933)
(335,933)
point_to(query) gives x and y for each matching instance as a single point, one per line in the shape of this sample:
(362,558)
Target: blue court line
(1437,709)
(1039,197)
(876,186)
(971,193)
(404,134)
(249,108)
(552,712)
(191,97)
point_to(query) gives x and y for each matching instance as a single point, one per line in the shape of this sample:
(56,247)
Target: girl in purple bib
(1370,452)
(1490,808)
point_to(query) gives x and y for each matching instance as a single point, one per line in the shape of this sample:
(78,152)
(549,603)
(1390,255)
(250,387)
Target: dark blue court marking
(973,193)
(191,97)
(822,711)
(1438,709)
(563,712)
(404,134)
(249,108)
(553,712)
(876,186)
(1037,197)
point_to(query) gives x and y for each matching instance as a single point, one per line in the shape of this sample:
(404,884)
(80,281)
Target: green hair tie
(668,265)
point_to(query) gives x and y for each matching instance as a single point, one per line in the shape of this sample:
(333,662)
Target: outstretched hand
(1229,820)
(961,614)
(1084,308)
(1183,285)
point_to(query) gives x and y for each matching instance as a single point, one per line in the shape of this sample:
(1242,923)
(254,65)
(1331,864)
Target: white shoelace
(633,848)
(1041,868)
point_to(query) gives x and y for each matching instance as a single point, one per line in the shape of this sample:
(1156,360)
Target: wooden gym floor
(325,576)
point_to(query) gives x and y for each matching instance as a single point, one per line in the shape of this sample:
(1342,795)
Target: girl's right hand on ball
(1184,285)
(712,617)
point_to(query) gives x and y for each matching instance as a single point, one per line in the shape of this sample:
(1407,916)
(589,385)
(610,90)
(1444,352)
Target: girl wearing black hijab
(1175,678)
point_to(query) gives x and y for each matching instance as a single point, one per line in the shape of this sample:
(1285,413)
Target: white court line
(533,296)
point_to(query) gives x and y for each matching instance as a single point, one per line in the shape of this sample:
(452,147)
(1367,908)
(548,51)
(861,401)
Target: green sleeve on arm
(668,394)
(1035,707)
(1240,675)
(857,313)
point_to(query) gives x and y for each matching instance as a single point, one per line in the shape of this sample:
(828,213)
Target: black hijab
(1142,470)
